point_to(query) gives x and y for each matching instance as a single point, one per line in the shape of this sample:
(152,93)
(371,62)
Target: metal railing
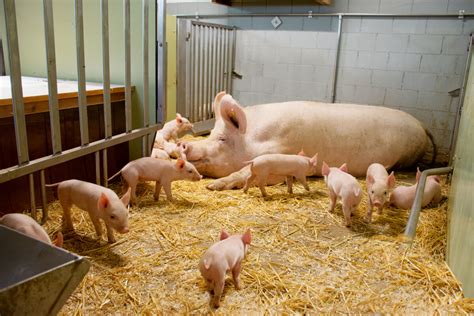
(58,156)
(205,67)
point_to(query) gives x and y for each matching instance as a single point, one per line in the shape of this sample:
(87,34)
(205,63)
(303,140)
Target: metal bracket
(188,36)
(461,14)
(236,74)
(310,14)
(196,15)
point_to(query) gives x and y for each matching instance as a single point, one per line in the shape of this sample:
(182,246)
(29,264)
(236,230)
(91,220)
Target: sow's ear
(232,113)
(216,104)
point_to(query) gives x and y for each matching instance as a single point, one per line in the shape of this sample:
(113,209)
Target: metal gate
(206,54)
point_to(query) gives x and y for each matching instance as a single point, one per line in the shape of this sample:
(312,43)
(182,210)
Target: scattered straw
(302,258)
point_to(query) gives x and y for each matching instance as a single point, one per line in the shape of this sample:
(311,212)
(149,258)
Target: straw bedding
(302,258)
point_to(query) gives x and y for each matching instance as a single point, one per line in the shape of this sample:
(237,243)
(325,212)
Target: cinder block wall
(405,63)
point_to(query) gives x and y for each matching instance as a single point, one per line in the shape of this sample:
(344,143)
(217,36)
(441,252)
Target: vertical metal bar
(187,76)
(232,56)
(52,78)
(336,63)
(198,72)
(229,63)
(454,134)
(81,73)
(226,56)
(97,167)
(219,60)
(44,198)
(31,181)
(104,167)
(206,72)
(146,119)
(212,77)
(190,74)
(106,68)
(15,80)
(128,69)
(161,62)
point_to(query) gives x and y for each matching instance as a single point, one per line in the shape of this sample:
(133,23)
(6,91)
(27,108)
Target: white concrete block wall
(406,63)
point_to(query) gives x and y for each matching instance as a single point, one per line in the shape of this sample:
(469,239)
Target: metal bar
(219,60)
(52,77)
(201,23)
(11,173)
(336,63)
(81,73)
(104,167)
(454,134)
(44,198)
(15,79)
(191,77)
(212,71)
(128,69)
(389,15)
(198,72)
(410,229)
(161,62)
(232,61)
(97,167)
(31,181)
(106,68)
(183,68)
(146,114)
(226,58)
(206,73)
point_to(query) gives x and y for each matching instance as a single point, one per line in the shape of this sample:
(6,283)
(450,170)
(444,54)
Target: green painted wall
(461,202)
(33,52)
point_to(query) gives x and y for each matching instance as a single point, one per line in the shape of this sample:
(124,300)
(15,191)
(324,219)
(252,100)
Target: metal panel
(161,61)
(52,78)
(15,78)
(106,67)
(146,120)
(460,253)
(81,73)
(48,161)
(128,69)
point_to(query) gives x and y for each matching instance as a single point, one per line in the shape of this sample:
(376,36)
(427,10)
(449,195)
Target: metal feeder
(36,278)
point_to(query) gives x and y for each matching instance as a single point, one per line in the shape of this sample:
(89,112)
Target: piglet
(162,171)
(379,184)
(264,166)
(344,186)
(173,128)
(28,226)
(404,196)
(98,201)
(224,256)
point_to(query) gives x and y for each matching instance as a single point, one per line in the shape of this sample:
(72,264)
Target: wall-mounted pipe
(410,229)
(336,63)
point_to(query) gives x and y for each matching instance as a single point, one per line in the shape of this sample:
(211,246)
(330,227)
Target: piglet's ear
(179,118)
(301,153)
(325,169)
(314,160)
(370,179)
(343,167)
(103,201)
(247,237)
(224,235)
(180,163)
(391,180)
(126,197)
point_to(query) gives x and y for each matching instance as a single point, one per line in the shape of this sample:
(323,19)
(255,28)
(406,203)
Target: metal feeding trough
(35,278)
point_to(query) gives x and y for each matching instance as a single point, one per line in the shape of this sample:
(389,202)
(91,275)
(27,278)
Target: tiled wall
(405,63)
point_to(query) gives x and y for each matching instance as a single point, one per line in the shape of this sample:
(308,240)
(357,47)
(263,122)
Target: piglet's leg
(302,180)
(110,234)
(236,275)
(261,185)
(67,220)
(248,182)
(289,183)
(97,225)
(218,289)
(157,190)
(346,209)
(167,188)
(332,200)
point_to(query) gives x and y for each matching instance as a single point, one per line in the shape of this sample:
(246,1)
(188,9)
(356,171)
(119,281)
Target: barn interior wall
(33,53)
(406,63)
